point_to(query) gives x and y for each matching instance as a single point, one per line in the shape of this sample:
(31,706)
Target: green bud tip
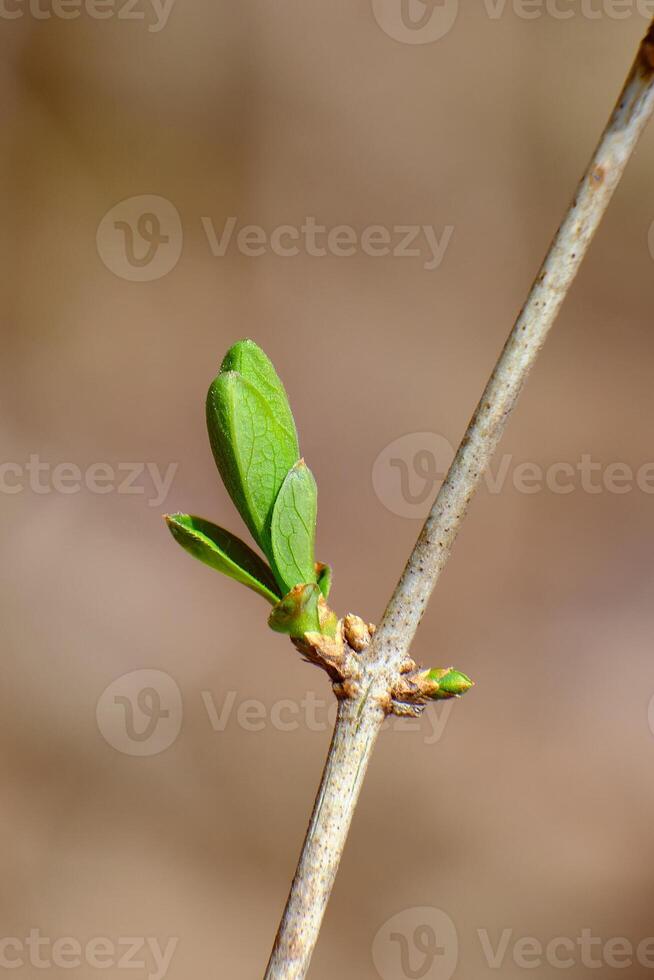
(448,683)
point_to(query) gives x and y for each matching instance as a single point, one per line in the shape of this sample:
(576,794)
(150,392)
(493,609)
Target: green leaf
(225,552)
(254,443)
(293,529)
(324,574)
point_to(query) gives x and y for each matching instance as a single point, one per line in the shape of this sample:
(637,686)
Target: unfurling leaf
(293,529)
(223,551)
(297,613)
(302,611)
(254,444)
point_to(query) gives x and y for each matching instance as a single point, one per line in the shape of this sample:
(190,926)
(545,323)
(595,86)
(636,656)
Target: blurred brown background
(533,810)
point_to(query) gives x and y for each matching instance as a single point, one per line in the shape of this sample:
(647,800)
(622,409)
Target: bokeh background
(531,810)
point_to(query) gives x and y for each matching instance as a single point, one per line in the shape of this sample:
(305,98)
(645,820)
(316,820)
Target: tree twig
(362,712)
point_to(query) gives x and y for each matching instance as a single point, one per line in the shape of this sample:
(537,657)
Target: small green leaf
(293,529)
(253,446)
(298,612)
(225,552)
(324,574)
